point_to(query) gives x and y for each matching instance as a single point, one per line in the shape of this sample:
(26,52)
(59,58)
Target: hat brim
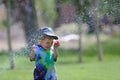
(52,35)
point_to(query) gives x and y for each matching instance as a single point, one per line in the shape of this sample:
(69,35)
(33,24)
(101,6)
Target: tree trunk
(12,64)
(57,21)
(28,16)
(78,20)
(100,52)
(80,57)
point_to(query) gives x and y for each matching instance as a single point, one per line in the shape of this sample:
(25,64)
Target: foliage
(1,24)
(66,1)
(48,10)
(110,7)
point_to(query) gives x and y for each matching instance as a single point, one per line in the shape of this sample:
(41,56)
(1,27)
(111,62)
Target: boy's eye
(49,42)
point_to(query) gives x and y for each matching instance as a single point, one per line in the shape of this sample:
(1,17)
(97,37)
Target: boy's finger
(33,46)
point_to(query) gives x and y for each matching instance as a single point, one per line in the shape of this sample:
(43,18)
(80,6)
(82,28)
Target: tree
(96,11)
(84,6)
(46,12)
(111,9)
(24,11)
(27,15)
(79,21)
(8,24)
(85,14)
(80,57)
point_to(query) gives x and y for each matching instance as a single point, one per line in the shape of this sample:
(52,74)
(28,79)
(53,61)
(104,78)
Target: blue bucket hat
(48,31)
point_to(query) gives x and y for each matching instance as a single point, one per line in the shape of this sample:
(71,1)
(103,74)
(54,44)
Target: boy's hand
(32,55)
(56,44)
(33,48)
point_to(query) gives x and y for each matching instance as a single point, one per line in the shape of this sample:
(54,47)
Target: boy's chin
(47,48)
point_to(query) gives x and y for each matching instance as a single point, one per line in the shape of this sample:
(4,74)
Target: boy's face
(47,42)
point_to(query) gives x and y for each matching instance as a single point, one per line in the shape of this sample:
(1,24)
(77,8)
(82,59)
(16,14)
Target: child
(45,56)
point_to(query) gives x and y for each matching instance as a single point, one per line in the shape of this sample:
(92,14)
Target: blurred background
(88,30)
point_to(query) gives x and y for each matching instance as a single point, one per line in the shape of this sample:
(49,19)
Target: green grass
(89,71)
(68,67)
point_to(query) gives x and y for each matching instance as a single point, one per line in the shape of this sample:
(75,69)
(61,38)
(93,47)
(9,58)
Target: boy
(45,56)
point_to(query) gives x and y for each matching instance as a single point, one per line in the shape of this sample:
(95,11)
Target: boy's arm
(55,47)
(32,55)
(55,54)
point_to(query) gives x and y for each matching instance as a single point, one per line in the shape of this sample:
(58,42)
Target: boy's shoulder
(39,46)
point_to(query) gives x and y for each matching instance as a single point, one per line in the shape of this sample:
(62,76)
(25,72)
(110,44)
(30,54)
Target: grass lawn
(68,67)
(91,70)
